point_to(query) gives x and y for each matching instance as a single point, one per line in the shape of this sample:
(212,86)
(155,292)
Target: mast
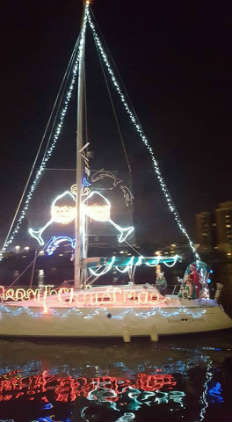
(79,223)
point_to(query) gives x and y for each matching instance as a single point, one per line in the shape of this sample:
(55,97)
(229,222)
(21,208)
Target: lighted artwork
(63,212)
(56,241)
(100,210)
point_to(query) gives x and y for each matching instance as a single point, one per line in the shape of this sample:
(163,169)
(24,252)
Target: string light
(49,151)
(169,262)
(108,268)
(99,311)
(165,314)
(142,135)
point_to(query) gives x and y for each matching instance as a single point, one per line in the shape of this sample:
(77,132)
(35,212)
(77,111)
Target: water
(187,378)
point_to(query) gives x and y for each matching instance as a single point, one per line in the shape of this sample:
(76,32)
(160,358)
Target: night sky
(175,60)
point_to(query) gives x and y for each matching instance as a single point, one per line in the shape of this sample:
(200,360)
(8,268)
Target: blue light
(85,182)
(47,406)
(215,393)
(55,242)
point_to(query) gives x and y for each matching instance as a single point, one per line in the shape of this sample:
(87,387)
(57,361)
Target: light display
(102,213)
(169,262)
(128,264)
(56,241)
(98,212)
(139,129)
(65,214)
(105,270)
(61,214)
(103,174)
(130,299)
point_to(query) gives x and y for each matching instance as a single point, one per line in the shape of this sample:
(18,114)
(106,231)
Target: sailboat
(86,310)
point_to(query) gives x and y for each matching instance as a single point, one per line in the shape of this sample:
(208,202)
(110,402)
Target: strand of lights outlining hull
(50,150)
(64,314)
(142,135)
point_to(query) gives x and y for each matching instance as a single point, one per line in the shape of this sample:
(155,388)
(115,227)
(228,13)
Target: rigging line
(67,72)
(138,127)
(114,64)
(62,88)
(36,254)
(86,113)
(115,114)
(23,272)
(133,248)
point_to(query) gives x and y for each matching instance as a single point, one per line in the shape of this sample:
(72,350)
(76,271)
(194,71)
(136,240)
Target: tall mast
(79,224)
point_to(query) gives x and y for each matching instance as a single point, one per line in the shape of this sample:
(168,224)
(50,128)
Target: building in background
(224,227)
(205,227)
(214,230)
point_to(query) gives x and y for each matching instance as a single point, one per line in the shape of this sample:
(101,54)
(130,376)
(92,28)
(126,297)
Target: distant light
(17,247)
(27,248)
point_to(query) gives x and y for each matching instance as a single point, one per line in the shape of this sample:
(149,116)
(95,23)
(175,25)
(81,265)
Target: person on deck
(160,282)
(195,279)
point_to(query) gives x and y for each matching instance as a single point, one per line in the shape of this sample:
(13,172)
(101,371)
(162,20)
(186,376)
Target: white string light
(133,312)
(142,135)
(49,151)
(106,269)
(165,314)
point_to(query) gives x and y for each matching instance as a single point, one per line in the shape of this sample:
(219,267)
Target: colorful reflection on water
(104,382)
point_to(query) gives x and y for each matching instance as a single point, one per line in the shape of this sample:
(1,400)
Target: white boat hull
(112,322)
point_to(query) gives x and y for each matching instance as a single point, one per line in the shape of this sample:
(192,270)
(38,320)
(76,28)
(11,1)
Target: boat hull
(112,322)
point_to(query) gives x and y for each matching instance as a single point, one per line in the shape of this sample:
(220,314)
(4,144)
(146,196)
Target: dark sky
(174,59)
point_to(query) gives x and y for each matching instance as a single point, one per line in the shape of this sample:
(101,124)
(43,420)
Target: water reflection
(101,382)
